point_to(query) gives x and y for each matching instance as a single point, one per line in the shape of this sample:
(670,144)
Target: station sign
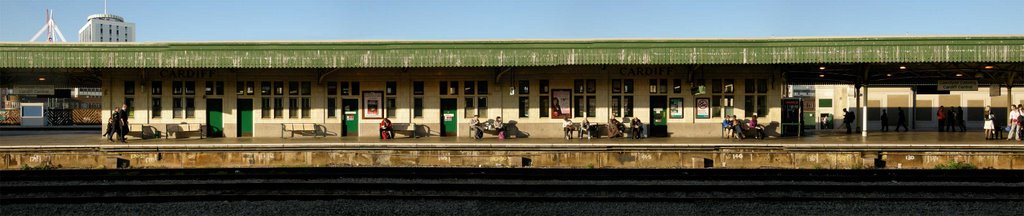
(33,90)
(957,85)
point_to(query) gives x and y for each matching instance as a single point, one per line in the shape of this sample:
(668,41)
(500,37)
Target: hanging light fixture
(989,67)
(903,67)
(821,68)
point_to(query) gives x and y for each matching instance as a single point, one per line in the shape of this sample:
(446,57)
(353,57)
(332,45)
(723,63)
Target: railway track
(154,186)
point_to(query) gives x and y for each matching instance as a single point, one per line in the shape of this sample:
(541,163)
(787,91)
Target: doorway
(449,119)
(658,125)
(214,118)
(244,118)
(350,123)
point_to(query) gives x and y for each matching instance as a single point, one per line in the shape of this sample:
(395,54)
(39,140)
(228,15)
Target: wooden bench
(302,128)
(135,130)
(408,129)
(487,128)
(596,132)
(185,127)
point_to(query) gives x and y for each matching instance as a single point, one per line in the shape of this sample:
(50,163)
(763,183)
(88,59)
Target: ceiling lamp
(959,74)
(821,68)
(903,67)
(888,74)
(821,75)
(989,67)
(42,78)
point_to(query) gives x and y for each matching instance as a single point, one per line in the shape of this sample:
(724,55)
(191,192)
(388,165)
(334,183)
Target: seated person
(727,126)
(636,128)
(567,127)
(499,127)
(759,129)
(615,128)
(737,128)
(585,128)
(386,129)
(478,130)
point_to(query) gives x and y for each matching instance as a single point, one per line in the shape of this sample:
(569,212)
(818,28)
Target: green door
(449,119)
(350,121)
(214,118)
(244,118)
(658,125)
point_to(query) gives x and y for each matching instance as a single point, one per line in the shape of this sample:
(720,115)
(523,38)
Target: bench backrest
(299,126)
(135,127)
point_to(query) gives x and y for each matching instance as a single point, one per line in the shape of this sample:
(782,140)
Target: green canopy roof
(510,53)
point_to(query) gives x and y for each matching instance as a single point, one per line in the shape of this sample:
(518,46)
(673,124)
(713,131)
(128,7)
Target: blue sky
(220,20)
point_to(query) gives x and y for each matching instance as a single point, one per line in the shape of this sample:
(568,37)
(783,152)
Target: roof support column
(1009,95)
(864,110)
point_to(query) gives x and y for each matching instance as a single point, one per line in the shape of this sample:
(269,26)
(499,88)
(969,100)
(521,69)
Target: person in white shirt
(585,128)
(567,126)
(478,131)
(1013,123)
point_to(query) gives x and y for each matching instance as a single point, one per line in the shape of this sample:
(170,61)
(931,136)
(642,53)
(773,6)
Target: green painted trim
(380,54)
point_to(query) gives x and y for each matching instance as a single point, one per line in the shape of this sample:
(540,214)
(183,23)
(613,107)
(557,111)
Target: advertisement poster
(561,106)
(675,109)
(372,104)
(703,108)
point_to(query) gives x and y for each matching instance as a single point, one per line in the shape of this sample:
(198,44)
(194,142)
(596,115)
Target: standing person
(847,119)
(901,120)
(567,127)
(123,113)
(990,125)
(941,116)
(960,119)
(885,121)
(478,132)
(114,126)
(1013,123)
(951,119)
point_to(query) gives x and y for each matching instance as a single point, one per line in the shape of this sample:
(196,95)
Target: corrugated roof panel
(511,53)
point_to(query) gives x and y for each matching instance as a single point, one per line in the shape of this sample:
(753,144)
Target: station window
(129,97)
(183,99)
(545,106)
(524,106)
(417,88)
(756,99)
(524,87)
(722,97)
(391,88)
(677,86)
(293,107)
(332,100)
(658,86)
(417,105)
(475,101)
(622,98)
(245,88)
(214,88)
(584,102)
(155,106)
(544,89)
(390,108)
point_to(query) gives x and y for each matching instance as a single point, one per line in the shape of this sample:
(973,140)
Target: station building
(679,87)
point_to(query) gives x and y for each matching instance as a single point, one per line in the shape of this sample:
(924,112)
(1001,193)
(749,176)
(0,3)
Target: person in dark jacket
(111,126)
(885,121)
(848,118)
(960,119)
(123,113)
(901,120)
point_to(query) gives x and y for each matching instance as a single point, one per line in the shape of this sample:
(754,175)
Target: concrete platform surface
(25,140)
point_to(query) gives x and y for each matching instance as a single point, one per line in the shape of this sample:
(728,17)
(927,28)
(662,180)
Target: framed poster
(675,108)
(561,105)
(703,108)
(373,104)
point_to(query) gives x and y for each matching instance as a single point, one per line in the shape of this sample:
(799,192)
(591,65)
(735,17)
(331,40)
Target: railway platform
(909,150)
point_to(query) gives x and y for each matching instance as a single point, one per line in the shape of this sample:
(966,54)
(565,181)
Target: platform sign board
(33,90)
(995,90)
(703,108)
(957,85)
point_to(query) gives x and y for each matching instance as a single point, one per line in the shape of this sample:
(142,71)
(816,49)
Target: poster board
(703,108)
(561,103)
(675,108)
(373,104)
